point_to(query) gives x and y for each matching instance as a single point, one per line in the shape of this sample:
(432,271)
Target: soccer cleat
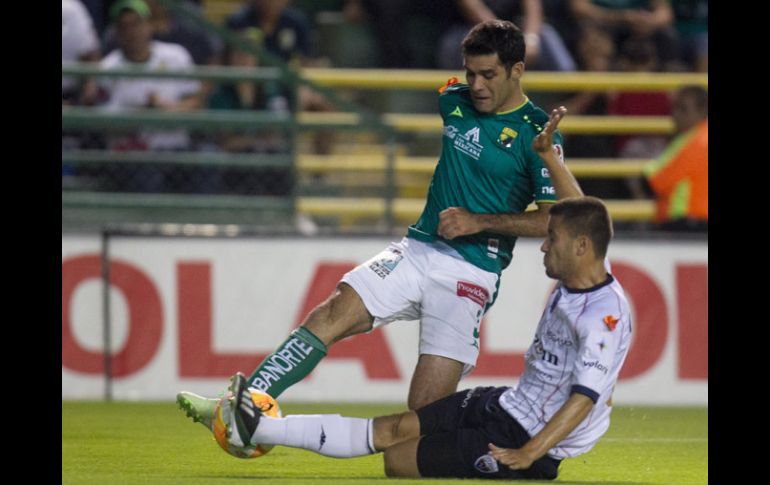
(199,408)
(244,413)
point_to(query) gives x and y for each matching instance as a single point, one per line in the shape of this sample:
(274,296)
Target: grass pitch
(155,443)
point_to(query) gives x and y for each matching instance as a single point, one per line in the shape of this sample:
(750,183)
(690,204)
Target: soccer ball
(265,403)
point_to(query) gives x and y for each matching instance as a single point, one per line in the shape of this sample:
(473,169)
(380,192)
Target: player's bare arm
(571,414)
(563,181)
(456,221)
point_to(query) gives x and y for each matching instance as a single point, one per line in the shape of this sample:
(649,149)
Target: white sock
(325,434)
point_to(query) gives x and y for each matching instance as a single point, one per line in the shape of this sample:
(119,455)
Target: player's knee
(339,316)
(391,430)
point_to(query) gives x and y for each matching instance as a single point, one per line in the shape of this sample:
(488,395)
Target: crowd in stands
(561,35)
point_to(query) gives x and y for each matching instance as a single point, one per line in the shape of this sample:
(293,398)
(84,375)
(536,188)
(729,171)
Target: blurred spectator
(679,177)
(78,44)
(640,19)
(691,18)
(408,30)
(284,32)
(545,49)
(638,55)
(248,95)
(168,26)
(136,48)
(96,11)
(595,52)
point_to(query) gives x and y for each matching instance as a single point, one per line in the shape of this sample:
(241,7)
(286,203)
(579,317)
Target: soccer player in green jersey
(445,272)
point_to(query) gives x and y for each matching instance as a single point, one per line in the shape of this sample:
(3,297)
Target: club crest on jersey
(507,136)
(474,292)
(611,322)
(385,265)
(486,464)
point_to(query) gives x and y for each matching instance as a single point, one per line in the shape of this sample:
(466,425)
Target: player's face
(558,248)
(492,89)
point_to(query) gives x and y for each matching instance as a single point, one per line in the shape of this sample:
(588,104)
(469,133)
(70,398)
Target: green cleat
(199,408)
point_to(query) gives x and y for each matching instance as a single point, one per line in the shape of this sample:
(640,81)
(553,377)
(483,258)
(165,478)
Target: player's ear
(582,245)
(517,70)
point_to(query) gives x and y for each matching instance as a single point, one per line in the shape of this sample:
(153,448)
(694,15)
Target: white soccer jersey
(580,345)
(131,93)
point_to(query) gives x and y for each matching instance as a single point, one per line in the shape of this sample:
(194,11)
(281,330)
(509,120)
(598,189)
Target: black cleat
(244,414)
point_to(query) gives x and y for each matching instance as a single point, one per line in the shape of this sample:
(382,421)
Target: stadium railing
(386,161)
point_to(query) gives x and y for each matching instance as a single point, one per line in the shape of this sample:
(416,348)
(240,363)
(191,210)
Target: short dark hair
(499,37)
(586,216)
(698,94)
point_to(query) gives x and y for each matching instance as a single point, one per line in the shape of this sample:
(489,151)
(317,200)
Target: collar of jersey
(526,100)
(606,282)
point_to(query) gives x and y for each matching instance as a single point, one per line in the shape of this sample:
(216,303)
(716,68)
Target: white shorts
(430,282)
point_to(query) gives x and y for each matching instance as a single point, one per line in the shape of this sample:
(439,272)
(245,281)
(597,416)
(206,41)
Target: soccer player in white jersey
(560,408)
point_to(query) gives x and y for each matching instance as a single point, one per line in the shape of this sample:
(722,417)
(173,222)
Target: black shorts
(457,429)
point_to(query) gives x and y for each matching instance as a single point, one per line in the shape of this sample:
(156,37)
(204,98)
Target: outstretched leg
(341,315)
(326,434)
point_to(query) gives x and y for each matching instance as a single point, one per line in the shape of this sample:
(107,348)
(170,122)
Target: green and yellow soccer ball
(265,403)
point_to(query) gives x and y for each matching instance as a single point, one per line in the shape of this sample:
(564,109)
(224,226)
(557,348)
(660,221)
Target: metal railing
(390,127)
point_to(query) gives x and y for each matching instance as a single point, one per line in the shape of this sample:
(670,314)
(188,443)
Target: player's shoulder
(532,117)
(455,90)
(454,99)
(607,305)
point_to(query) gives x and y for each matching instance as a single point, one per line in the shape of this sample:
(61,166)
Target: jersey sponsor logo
(468,143)
(549,357)
(384,266)
(486,464)
(548,190)
(545,173)
(474,292)
(611,322)
(543,354)
(598,365)
(557,339)
(280,363)
(457,112)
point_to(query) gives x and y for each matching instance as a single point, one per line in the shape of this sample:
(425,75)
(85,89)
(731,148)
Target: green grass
(155,443)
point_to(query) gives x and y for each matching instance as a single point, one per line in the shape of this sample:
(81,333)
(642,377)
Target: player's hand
(543,142)
(456,221)
(512,458)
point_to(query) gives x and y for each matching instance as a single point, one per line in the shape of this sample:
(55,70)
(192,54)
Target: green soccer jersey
(487,166)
